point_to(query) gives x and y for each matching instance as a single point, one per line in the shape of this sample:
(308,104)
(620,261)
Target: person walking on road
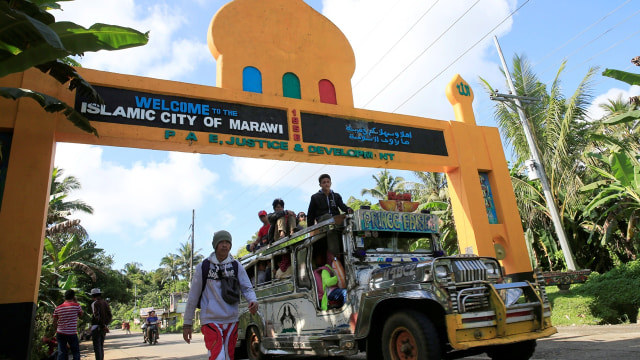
(219,313)
(100,319)
(65,321)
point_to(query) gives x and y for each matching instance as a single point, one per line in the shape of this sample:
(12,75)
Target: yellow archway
(248,115)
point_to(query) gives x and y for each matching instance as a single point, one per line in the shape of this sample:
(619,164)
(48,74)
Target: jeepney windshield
(395,242)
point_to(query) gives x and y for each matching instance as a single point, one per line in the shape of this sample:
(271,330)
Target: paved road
(620,342)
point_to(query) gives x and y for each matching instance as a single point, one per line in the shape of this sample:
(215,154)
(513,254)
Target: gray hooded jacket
(213,308)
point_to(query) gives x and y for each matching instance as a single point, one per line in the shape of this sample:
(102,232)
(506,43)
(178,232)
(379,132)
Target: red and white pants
(220,340)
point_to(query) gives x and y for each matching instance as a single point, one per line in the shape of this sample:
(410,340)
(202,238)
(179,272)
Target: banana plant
(616,196)
(62,266)
(30,37)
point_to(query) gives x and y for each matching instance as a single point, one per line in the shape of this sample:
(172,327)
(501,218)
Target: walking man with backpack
(215,289)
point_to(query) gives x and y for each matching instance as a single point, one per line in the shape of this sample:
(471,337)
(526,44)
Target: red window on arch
(327,92)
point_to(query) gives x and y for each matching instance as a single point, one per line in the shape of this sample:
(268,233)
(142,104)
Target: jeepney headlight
(493,271)
(442,271)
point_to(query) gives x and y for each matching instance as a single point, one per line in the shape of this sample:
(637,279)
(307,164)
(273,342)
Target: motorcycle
(151,334)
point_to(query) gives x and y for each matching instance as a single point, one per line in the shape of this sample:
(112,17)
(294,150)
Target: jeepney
(405,298)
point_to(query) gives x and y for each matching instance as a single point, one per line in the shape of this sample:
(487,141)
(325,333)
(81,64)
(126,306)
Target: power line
(459,57)
(582,32)
(422,53)
(605,50)
(396,43)
(594,39)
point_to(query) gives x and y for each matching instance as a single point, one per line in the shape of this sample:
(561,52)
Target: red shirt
(67,314)
(264,231)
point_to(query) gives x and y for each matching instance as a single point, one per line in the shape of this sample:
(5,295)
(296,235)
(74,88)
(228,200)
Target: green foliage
(615,294)
(30,37)
(42,329)
(629,78)
(385,182)
(571,308)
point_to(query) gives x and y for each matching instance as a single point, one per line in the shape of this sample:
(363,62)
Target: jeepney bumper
(501,324)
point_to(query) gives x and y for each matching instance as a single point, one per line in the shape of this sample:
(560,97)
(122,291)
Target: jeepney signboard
(370,220)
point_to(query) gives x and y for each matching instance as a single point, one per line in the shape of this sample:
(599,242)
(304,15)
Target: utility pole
(193,216)
(536,165)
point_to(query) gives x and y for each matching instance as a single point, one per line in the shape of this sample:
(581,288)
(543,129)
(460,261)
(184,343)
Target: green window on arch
(291,86)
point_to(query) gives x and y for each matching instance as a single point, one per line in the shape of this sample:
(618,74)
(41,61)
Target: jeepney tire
(252,342)
(517,351)
(409,335)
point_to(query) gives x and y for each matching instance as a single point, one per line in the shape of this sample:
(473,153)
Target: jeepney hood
(390,275)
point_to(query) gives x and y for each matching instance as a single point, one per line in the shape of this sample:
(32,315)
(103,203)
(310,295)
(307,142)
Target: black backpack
(230,284)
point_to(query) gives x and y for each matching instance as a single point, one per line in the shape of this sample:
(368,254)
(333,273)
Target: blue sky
(406,53)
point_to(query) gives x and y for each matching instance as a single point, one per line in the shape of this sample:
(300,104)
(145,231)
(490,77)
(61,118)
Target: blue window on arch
(291,86)
(252,80)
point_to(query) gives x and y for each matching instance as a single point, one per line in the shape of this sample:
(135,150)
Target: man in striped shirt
(65,320)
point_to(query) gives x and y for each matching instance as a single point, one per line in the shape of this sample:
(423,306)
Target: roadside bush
(615,294)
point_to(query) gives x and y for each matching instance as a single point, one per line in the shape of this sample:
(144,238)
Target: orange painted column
(481,152)
(23,219)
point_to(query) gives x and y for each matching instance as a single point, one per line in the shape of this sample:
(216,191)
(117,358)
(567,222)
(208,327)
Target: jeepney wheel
(253,341)
(410,335)
(518,351)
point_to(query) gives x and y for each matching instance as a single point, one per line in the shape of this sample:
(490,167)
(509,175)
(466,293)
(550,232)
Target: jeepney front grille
(467,270)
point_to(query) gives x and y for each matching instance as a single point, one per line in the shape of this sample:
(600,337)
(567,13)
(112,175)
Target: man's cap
(96,291)
(221,235)
(262,213)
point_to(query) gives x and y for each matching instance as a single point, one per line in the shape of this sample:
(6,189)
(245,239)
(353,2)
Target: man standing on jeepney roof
(218,313)
(325,203)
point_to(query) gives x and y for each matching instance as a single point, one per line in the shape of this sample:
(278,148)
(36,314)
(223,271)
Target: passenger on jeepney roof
(328,293)
(283,222)
(325,203)
(284,268)
(263,234)
(302,220)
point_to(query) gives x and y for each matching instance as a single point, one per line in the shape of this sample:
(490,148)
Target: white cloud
(596,112)
(168,55)
(161,229)
(139,197)
(371,40)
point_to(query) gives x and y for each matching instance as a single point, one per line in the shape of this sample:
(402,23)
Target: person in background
(325,203)
(283,222)
(100,319)
(284,268)
(219,319)
(65,321)
(263,234)
(151,320)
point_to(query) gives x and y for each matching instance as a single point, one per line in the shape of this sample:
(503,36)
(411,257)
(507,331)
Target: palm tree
(560,132)
(385,182)
(59,208)
(169,267)
(184,259)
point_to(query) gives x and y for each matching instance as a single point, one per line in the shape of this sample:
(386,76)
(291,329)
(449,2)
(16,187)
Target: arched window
(327,92)
(252,80)
(291,86)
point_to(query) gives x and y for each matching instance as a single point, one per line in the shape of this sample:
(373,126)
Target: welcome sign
(181,113)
